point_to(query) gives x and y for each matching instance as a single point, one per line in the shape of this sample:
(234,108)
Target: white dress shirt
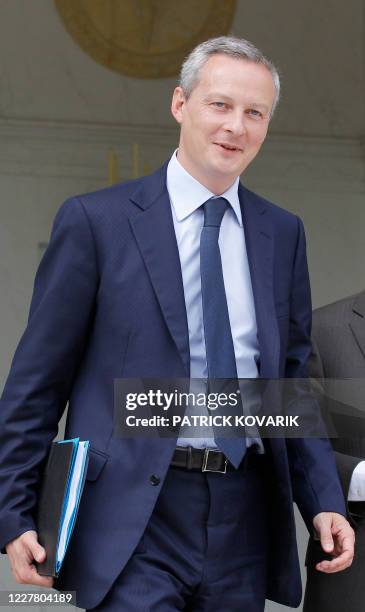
(187,196)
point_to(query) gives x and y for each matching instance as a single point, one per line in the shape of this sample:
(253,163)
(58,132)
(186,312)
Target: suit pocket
(97,461)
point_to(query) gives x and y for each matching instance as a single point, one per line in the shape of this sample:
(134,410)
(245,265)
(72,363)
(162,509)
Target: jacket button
(154,480)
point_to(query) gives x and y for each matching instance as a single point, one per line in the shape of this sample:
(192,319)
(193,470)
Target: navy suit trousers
(204,548)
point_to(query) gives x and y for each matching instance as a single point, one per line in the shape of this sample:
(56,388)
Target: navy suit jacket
(108,303)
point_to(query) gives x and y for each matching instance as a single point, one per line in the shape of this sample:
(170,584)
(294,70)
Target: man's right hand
(22,552)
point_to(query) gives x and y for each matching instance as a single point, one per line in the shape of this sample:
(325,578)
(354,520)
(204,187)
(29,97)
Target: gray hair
(228,45)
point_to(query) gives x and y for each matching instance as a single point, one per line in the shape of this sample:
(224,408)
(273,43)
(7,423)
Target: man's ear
(177,104)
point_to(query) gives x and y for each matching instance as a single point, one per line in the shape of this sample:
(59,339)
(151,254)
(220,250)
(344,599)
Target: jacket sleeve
(315,482)
(44,365)
(345,463)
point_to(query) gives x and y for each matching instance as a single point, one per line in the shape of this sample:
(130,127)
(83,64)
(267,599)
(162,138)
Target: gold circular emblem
(144,38)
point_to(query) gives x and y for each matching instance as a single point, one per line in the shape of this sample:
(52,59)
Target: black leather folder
(53,495)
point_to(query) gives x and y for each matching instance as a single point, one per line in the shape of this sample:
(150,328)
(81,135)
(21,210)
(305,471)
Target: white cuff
(357,483)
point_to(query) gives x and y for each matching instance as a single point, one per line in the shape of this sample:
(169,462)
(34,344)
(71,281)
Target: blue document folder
(59,501)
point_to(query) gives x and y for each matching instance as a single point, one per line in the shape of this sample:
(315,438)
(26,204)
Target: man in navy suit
(134,284)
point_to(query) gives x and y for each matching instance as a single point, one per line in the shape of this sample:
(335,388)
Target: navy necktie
(221,361)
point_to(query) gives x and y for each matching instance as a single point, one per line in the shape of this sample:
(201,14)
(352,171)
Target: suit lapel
(357,323)
(154,231)
(260,245)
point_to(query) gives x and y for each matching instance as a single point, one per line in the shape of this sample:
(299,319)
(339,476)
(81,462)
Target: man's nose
(236,124)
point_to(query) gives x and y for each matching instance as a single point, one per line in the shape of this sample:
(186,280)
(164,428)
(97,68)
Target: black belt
(202,459)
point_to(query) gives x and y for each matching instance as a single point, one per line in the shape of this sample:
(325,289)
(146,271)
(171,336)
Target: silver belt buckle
(205,461)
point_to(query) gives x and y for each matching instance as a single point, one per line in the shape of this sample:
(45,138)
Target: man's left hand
(337,539)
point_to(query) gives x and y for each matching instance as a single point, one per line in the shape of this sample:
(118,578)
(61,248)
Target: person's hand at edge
(22,552)
(337,539)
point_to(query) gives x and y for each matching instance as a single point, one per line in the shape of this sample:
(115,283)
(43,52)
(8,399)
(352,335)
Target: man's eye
(219,104)
(255,112)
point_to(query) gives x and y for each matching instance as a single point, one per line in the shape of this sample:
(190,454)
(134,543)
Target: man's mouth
(228,147)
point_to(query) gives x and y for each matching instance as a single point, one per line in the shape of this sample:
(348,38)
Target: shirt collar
(187,194)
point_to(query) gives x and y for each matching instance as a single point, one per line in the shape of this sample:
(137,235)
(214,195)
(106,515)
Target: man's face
(225,120)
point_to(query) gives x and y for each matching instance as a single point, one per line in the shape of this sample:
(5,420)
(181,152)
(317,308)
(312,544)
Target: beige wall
(317,44)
